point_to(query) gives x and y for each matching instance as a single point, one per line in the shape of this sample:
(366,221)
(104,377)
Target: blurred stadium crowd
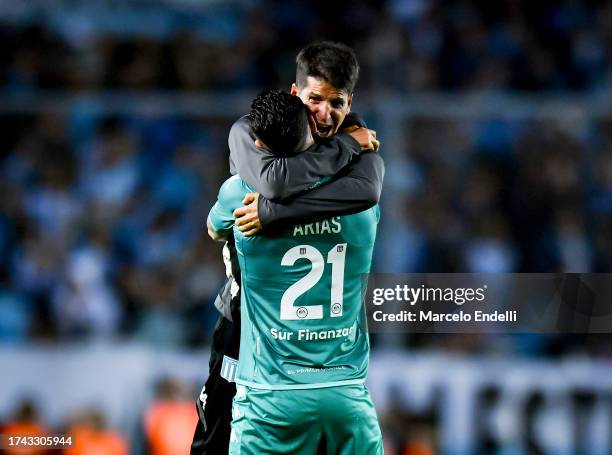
(165,426)
(103,235)
(404,45)
(102,215)
(101,219)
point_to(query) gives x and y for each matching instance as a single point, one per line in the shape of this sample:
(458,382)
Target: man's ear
(294,89)
(349,102)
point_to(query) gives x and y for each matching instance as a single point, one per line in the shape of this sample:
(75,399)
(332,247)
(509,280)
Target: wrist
(264,212)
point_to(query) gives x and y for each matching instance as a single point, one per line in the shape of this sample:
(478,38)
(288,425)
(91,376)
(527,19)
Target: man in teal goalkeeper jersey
(304,342)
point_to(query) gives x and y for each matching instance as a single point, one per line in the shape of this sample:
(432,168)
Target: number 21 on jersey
(336,257)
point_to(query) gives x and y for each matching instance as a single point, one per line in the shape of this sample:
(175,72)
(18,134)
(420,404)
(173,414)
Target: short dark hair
(335,63)
(279,119)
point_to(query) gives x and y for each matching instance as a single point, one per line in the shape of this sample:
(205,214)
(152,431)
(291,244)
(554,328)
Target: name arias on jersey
(331,226)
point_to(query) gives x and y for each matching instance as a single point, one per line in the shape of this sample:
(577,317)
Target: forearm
(357,190)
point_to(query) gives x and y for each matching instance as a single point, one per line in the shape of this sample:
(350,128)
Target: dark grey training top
(283,182)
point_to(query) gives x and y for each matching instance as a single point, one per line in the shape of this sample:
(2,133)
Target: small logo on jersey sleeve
(228,368)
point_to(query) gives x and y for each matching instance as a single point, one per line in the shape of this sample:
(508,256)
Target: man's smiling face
(327,104)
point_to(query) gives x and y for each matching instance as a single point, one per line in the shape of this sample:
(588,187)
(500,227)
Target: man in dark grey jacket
(332,178)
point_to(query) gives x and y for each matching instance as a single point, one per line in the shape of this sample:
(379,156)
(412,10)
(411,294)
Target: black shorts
(213,429)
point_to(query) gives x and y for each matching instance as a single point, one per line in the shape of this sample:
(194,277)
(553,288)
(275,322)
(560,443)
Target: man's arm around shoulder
(278,177)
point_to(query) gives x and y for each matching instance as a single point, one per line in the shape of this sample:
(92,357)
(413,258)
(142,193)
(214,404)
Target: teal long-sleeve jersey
(302,309)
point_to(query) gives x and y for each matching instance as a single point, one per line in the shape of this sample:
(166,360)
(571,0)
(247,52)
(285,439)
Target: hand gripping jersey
(303,318)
